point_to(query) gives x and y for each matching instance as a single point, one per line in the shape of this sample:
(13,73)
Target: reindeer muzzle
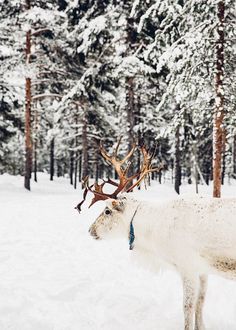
(93,233)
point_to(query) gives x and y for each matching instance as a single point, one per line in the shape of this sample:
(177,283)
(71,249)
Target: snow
(54,276)
(94,27)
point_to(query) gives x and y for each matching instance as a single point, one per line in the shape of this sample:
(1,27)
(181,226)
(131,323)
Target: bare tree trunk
(177,167)
(130,109)
(76,171)
(28,139)
(76,151)
(130,86)
(219,104)
(59,168)
(159,176)
(35,144)
(35,163)
(188,173)
(130,116)
(52,147)
(223,157)
(71,166)
(234,156)
(80,166)
(137,122)
(85,147)
(96,160)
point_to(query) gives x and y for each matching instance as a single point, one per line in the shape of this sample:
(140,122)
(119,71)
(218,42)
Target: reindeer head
(111,222)
(112,219)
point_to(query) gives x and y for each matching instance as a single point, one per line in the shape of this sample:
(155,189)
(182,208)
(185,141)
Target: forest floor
(54,276)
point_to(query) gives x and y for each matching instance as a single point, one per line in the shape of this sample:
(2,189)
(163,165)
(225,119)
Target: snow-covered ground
(54,276)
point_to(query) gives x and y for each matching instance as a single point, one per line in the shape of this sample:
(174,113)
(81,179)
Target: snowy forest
(157,72)
(76,77)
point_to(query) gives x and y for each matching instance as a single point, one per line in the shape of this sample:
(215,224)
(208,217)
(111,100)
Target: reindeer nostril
(93,233)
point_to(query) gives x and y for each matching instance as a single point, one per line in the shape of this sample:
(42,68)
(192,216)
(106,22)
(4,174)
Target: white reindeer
(195,237)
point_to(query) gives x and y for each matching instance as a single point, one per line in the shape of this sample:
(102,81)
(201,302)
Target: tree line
(160,73)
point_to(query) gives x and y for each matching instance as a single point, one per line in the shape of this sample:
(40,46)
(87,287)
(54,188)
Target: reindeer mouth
(93,233)
(95,237)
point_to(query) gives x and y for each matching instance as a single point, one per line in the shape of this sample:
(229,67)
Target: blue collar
(131,231)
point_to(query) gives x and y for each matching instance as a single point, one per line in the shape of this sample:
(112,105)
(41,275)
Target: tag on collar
(131,236)
(131,231)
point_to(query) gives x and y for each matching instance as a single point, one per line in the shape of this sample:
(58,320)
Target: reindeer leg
(190,290)
(199,325)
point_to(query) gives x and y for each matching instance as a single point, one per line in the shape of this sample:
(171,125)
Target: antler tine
(146,168)
(98,193)
(86,189)
(104,153)
(130,153)
(117,164)
(114,154)
(111,182)
(117,147)
(127,168)
(78,206)
(112,159)
(98,197)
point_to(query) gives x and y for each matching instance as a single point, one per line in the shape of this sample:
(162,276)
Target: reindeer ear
(118,204)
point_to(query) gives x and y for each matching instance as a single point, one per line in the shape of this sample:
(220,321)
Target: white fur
(197,237)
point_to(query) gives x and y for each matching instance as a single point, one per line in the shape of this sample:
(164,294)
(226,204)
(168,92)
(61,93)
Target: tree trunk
(85,147)
(177,167)
(35,144)
(130,118)
(80,166)
(207,173)
(130,109)
(138,122)
(129,85)
(59,168)
(71,166)
(52,147)
(159,176)
(28,138)
(76,170)
(234,156)
(96,162)
(35,163)
(76,150)
(219,104)
(223,157)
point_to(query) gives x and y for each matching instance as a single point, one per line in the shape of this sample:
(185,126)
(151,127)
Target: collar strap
(131,231)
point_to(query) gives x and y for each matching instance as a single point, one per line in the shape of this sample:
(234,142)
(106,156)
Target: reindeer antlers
(122,172)
(146,167)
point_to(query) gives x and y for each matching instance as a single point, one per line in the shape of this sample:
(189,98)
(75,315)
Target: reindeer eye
(107,211)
